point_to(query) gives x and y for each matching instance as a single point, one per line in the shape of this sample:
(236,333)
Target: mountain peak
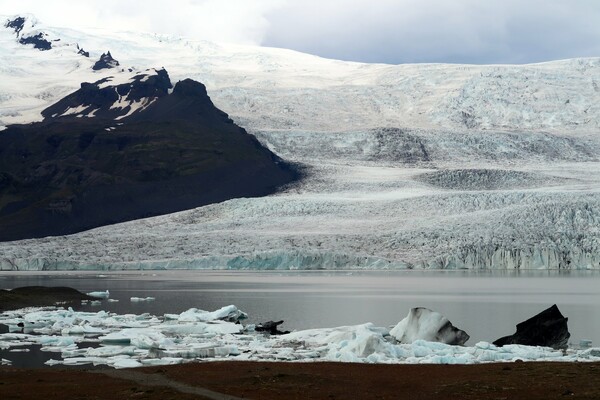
(17,24)
(106,61)
(189,87)
(22,25)
(113,97)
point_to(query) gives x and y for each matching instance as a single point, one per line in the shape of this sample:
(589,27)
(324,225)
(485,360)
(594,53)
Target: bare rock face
(82,52)
(425,324)
(548,328)
(106,61)
(271,327)
(16,24)
(38,41)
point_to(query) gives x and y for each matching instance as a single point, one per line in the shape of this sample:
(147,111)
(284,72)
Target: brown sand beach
(256,380)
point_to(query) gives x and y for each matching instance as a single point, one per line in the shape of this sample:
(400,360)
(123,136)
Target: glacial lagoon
(487,304)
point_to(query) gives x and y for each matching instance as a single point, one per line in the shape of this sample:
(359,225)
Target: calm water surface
(487,305)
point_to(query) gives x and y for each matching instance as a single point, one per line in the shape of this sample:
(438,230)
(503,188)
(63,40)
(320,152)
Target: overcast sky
(391,31)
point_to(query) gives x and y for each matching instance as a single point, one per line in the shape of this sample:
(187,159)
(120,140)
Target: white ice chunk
(56,341)
(126,363)
(216,327)
(142,337)
(424,324)
(140,299)
(85,329)
(199,351)
(162,361)
(99,295)
(228,313)
(110,351)
(84,361)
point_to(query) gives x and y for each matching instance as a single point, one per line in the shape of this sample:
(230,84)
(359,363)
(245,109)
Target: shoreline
(321,380)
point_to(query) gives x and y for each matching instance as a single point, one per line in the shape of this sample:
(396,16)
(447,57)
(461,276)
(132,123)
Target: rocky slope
(112,152)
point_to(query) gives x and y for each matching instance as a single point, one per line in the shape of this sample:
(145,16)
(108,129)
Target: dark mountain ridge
(112,153)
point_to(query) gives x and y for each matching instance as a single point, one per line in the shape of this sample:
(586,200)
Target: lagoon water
(486,304)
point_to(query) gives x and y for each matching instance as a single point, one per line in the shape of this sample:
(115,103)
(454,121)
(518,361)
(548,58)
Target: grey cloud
(460,31)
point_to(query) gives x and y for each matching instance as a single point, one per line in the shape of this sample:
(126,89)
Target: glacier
(407,166)
(129,341)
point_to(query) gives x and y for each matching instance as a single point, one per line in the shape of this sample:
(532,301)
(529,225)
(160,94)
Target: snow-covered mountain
(270,88)
(432,165)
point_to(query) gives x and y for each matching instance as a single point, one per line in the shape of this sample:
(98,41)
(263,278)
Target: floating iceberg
(228,313)
(424,324)
(130,340)
(99,295)
(140,299)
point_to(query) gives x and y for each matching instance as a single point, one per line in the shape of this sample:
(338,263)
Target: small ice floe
(113,300)
(161,361)
(95,303)
(228,313)
(585,343)
(99,295)
(85,329)
(141,299)
(209,350)
(4,361)
(126,363)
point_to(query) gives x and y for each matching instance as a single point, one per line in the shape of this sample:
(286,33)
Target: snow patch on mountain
(116,97)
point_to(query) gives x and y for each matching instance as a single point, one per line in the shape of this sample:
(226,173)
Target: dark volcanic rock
(38,41)
(548,328)
(270,327)
(71,172)
(38,296)
(82,52)
(106,61)
(17,24)
(100,98)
